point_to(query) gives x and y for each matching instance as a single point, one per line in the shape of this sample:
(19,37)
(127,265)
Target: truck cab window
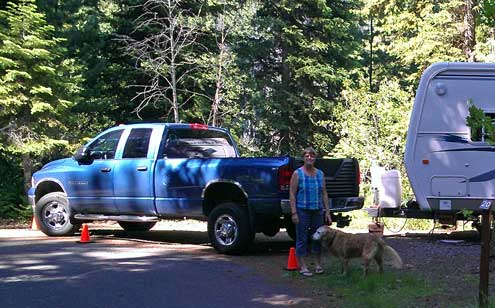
(105,146)
(480,134)
(185,143)
(137,143)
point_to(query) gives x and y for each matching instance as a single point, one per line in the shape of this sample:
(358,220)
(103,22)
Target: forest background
(280,75)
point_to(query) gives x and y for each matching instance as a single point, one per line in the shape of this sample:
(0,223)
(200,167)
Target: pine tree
(35,85)
(300,56)
(410,35)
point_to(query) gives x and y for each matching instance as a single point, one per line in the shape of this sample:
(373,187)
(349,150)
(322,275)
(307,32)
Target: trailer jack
(341,220)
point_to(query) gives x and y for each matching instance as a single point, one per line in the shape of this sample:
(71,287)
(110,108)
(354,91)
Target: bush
(13,202)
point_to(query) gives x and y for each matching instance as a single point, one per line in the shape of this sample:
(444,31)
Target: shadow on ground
(262,245)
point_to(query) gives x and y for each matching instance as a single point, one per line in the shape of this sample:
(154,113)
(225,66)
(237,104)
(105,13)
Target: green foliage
(297,60)
(396,225)
(90,29)
(415,34)
(36,85)
(487,12)
(287,74)
(373,128)
(480,124)
(13,203)
(225,25)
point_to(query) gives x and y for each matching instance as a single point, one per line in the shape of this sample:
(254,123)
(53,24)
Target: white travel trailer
(449,168)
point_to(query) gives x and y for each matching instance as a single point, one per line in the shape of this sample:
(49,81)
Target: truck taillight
(284,175)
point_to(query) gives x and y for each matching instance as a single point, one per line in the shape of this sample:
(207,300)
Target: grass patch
(361,220)
(390,289)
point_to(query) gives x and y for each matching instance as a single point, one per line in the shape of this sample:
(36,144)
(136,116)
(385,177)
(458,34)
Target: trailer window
(480,134)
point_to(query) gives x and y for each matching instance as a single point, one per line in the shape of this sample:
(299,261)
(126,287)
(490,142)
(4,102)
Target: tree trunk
(164,50)
(27,164)
(175,104)
(219,82)
(173,77)
(469,31)
(284,142)
(218,96)
(370,67)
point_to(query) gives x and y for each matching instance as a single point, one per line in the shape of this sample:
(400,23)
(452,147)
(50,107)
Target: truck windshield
(186,143)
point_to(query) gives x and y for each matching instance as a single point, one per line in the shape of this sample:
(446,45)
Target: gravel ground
(449,260)
(445,261)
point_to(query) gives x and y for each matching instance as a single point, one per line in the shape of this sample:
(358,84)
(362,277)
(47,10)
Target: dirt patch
(14,223)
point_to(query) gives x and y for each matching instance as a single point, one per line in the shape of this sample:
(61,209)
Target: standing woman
(309,206)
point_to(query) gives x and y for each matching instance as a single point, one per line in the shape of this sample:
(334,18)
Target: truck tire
(290,227)
(271,230)
(53,215)
(229,229)
(136,226)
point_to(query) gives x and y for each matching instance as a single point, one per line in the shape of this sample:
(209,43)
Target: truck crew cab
(140,173)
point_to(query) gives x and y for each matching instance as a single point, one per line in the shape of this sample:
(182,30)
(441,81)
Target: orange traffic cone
(292,261)
(34,225)
(85,234)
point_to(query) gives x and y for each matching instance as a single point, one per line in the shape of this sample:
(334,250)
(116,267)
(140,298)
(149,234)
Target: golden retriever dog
(346,246)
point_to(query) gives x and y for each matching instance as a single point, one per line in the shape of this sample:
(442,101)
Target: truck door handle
(106,169)
(142,168)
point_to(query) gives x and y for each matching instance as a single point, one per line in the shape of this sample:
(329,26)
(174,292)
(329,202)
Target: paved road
(180,270)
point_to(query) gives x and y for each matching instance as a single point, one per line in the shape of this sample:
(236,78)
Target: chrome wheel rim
(226,230)
(55,216)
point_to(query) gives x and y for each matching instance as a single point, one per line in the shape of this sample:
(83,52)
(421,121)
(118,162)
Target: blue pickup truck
(138,174)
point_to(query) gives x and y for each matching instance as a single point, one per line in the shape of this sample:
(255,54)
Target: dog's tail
(393,256)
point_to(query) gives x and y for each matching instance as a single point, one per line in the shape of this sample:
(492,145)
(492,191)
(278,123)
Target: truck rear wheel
(290,227)
(271,230)
(53,215)
(291,230)
(131,226)
(229,229)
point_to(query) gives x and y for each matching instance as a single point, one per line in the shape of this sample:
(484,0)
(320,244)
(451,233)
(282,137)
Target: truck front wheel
(229,229)
(53,215)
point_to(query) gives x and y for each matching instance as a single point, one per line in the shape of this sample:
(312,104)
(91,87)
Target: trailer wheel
(229,229)
(53,215)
